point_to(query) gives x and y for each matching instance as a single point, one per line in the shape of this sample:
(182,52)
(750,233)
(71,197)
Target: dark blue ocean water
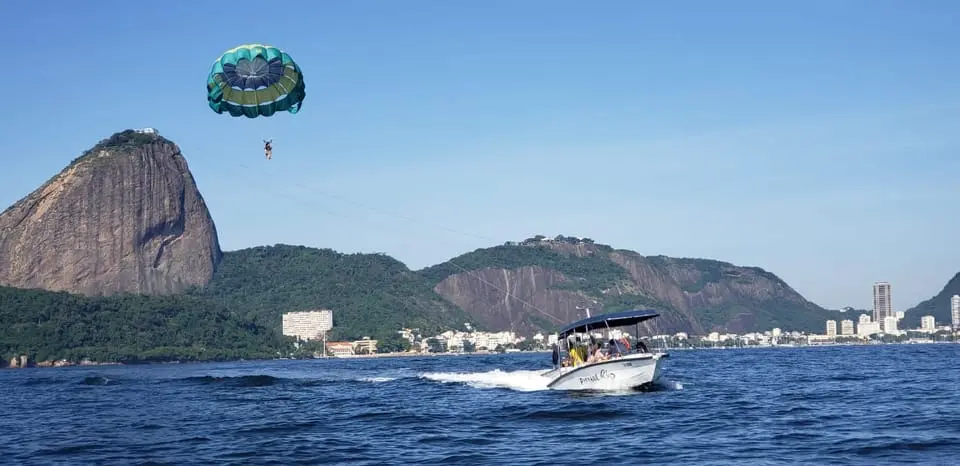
(829,405)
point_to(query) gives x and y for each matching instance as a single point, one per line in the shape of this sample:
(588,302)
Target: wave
(87,380)
(259,380)
(98,380)
(669,384)
(376,379)
(265,380)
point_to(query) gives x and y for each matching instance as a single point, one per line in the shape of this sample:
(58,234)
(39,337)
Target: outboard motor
(556,355)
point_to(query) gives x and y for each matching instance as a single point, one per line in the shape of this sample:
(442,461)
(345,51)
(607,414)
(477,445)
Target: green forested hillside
(47,325)
(937,306)
(370,294)
(238,315)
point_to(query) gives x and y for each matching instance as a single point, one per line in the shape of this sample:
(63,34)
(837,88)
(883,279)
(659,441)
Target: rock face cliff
(525,298)
(126,217)
(539,284)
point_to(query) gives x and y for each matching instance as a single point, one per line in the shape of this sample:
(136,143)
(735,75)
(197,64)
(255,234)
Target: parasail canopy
(255,80)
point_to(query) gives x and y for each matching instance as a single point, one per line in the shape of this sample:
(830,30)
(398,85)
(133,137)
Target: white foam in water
(377,379)
(524,381)
(387,376)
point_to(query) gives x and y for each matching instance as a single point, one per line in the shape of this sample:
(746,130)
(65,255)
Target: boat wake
(523,381)
(376,379)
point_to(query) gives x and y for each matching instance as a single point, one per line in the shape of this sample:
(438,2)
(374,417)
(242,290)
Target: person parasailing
(268,148)
(255,81)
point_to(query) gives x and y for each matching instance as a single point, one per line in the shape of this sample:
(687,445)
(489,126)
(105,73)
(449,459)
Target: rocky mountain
(937,306)
(125,217)
(540,283)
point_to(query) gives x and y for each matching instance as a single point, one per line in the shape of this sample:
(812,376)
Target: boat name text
(603,374)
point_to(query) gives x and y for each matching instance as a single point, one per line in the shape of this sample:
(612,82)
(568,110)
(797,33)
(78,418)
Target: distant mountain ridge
(126,221)
(554,277)
(938,305)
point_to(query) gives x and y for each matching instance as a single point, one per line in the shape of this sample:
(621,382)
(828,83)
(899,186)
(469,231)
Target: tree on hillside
(392,343)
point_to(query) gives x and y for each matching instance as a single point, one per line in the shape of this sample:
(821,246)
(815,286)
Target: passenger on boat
(617,348)
(596,355)
(576,355)
(642,347)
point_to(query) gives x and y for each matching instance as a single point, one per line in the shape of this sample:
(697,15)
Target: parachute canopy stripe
(255,80)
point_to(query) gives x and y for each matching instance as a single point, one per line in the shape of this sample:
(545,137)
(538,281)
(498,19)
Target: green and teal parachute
(255,80)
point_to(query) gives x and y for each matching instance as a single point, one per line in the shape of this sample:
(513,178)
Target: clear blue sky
(817,139)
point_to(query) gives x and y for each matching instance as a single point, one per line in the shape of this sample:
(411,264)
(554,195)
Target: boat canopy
(612,319)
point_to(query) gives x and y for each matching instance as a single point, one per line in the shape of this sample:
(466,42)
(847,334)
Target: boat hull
(633,371)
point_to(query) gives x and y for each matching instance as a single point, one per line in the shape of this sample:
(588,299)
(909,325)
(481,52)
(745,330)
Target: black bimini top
(613,319)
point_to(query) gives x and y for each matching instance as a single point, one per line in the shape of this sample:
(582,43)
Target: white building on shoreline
(955,312)
(307,325)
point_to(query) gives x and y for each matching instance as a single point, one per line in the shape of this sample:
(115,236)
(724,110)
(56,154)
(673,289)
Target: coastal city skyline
(864,325)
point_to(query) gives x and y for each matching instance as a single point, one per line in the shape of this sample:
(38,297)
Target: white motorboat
(621,368)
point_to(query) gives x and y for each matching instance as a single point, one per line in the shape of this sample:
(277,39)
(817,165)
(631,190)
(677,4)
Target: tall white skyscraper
(882,305)
(955,311)
(831,328)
